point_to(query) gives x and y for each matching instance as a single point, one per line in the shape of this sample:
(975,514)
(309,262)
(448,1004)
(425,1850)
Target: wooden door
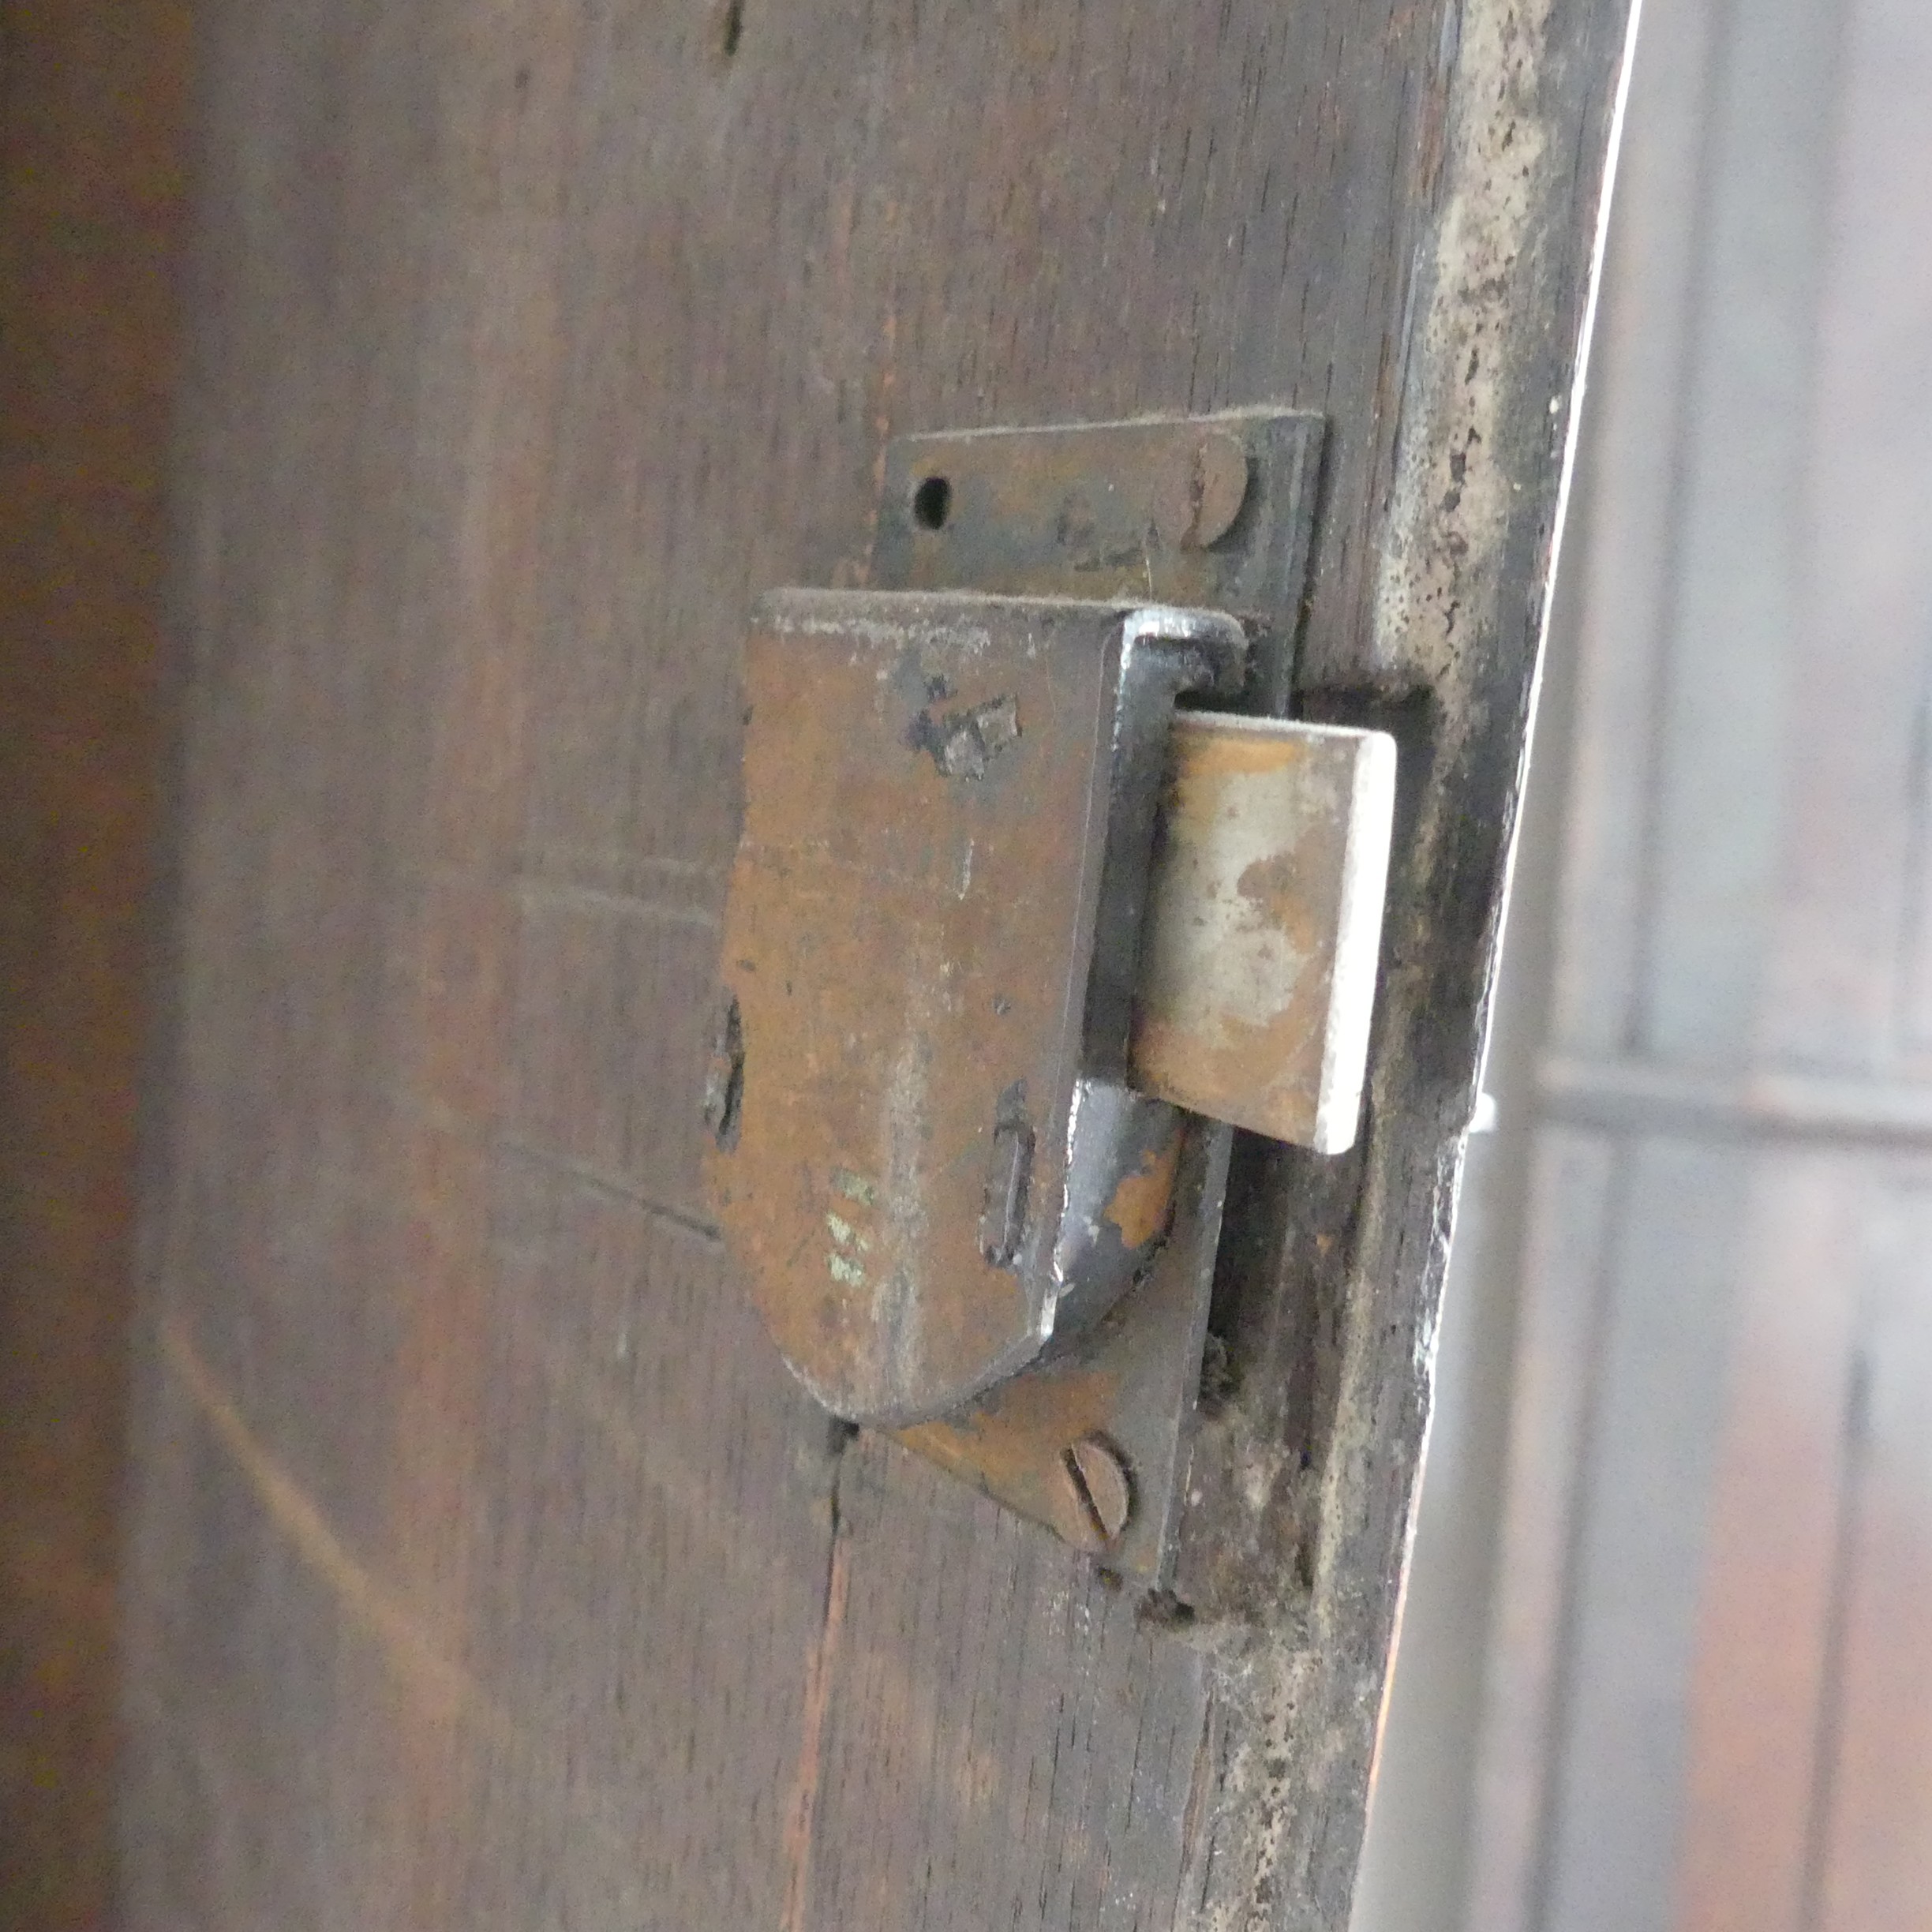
(486,1568)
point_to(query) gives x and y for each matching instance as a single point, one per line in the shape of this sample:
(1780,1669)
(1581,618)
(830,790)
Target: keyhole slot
(932,503)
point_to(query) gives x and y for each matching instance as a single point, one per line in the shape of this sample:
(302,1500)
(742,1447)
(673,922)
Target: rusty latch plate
(1127,1386)
(925,1159)
(1010,942)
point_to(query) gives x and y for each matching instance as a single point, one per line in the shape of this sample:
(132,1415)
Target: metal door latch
(1011,940)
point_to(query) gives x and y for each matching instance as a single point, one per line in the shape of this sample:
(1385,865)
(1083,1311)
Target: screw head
(1200,490)
(1098,1493)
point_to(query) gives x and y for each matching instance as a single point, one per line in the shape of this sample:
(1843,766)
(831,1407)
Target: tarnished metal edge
(1256,568)
(1131,1381)
(1268,592)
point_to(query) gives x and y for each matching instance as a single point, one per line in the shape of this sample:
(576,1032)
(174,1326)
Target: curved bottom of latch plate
(1092,1440)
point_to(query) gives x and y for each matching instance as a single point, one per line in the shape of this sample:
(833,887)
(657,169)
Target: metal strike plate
(1010,942)
(1209,512)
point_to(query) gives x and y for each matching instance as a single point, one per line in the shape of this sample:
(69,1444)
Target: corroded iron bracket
(1009,941)
(935,1166)
(1205,512)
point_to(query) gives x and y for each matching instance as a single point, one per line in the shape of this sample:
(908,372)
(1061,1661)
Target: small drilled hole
(932,503)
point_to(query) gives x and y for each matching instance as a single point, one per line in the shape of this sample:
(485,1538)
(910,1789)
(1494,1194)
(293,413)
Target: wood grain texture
(532,340)
(93,113)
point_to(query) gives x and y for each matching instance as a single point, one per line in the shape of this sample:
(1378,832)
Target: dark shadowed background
(93,108)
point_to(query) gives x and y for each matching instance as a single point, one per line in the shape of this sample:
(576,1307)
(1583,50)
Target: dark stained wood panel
(1006,1739)
(93,115)
(531,341)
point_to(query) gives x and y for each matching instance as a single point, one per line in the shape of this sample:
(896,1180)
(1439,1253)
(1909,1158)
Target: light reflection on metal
(1257,975)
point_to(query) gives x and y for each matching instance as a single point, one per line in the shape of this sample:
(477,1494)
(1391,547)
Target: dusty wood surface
(488,1569)
(1709,1675)
(93,115)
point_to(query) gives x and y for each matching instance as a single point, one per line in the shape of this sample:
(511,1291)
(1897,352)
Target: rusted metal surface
(1258,972)
(1199,489)
(1130,1382)
(918,1157)
(941,1192)
(1256,980)
(1103,1489)
(1212,511)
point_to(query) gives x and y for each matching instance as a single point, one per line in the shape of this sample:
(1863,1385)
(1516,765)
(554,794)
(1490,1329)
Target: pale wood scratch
(801,1807)
(446,1686)
(447,1693)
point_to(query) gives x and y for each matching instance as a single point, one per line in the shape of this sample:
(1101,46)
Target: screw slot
(1101,1492)
(932,503)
